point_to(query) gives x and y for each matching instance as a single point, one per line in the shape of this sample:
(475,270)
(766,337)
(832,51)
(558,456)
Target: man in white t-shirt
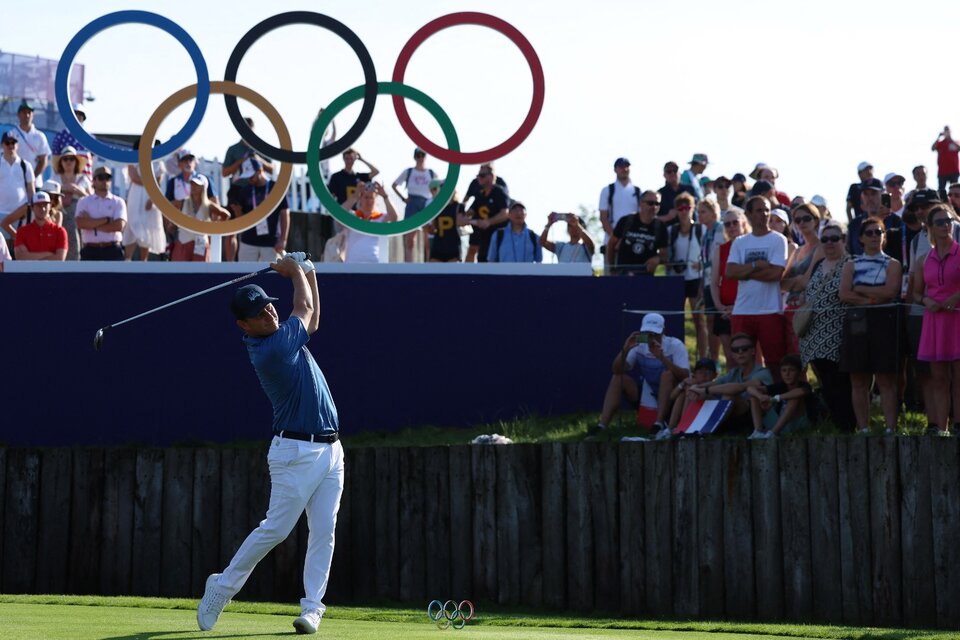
(16,187)
(757,261)
(362,247)
(34,147)
(618,199)
(646,370)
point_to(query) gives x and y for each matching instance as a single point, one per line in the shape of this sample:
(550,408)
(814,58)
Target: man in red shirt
(42,239)
(948,161)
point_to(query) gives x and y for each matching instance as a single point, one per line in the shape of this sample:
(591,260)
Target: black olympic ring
(324,22)
(450,614)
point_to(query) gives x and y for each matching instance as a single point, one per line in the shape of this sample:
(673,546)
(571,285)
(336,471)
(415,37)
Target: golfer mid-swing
(305,458)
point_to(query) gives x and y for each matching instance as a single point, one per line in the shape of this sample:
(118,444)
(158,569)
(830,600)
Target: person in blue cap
(305,458)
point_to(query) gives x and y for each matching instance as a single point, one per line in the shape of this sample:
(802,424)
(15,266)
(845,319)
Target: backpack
(406,177)
(533,241)
(29,216)
(674,232)
(610,189)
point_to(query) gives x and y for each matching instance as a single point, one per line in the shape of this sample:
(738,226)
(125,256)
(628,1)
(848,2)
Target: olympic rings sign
(368,92)
(450,614)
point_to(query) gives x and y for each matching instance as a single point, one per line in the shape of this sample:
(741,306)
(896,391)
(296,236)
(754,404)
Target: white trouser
(303,475)
(250,253)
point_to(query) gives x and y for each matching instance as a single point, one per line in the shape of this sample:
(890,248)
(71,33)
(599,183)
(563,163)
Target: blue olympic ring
(456,617)
(61,84)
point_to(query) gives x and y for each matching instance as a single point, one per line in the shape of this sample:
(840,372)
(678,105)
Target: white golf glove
(301,258)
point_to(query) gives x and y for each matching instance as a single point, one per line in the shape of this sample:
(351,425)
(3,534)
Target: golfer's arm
(303,299)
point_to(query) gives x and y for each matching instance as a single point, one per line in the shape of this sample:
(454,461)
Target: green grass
(103,618)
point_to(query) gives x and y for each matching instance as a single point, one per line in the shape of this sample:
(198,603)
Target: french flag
(702,417)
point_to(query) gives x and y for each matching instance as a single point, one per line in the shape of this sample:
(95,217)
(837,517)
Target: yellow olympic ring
(174,215)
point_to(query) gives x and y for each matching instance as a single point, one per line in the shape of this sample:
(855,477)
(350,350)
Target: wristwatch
(776,398)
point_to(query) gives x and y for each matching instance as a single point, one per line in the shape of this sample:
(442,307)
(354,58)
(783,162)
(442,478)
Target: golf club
(98,337)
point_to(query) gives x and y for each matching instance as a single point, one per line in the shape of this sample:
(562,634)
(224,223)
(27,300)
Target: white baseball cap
(891,176)
(41,196)
(863,166)
(183,153)
(200,179)
(818,201)
(781,214)
(652,322)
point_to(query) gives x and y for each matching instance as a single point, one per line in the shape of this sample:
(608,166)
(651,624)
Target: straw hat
(70,151)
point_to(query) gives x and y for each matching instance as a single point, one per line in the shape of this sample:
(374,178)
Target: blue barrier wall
(397,350)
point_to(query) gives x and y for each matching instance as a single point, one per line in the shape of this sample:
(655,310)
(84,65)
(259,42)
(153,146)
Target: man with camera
(646,370)
(361,247)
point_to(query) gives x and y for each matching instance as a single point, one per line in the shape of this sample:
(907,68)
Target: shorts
(768,331)
(691,288)
(871,341)
(444,256)
(721,325)
(708,304)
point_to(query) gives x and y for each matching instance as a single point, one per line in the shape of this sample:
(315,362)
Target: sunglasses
(101,177)
(684,208)
(69,159)
(802,219)
(730,223)
(941,222)
(742,349)
(9,141)
(652,203)
(872,233)
(831,239)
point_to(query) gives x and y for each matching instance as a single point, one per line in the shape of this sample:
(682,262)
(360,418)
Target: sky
(811,88)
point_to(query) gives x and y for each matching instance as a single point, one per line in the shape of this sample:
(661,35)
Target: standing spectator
(70,171)
(919,174)
(343,183)
(723,290)
(940,337)
(238,166)
(788,405)
(144,228)
(618,199)
(738,183)
(101,217)
(16,184)
(52,189)
(893,182)
(870,335)
(580,248)
(854,207)
(870,204)
(445,228)
(190,246)
(669,191)
(179,187)
(708,212)
(416,181)
(780,223)
(639,241)
(948,161)
(766,173)
(266,241)
(691,177)
(42,239)
(517,242)
(953,196)
(743,372)
(66,139)
(723,187)
(920,206)
(686,247)
(820,343)
(821,204)
(4,253)
(806,219)
(474,190)
(34,147)
(488,213)
(758,261)
(646,370)
(361,247)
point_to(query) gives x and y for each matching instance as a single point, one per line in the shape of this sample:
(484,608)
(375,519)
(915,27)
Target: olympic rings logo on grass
(368,92)
(450,614)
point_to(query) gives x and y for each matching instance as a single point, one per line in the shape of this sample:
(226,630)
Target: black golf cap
(924,197)
(248,301)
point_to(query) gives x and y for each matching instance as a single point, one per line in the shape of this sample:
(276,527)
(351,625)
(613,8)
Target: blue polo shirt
(292,380)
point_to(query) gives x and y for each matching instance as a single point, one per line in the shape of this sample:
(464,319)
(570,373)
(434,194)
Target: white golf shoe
(308,622)
(212,604)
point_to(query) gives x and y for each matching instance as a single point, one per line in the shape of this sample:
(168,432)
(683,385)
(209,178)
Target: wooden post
(53,554)
(738,543)
(116,560)
(855,534)
(885,526)
(658,472)
(146,565)
(86,514)
(21,511)
(484,465)
(387,521)
(825,530)
(412,548)
(686,551)
(461,523)
(580,543)
(436,523)
(363,556)
(177,522)
(553,510)
(945,488)
(795,510)
(632,542)
(916,527)
(205,521)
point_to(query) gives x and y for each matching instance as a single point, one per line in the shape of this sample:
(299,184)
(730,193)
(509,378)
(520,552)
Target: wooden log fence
(833,530)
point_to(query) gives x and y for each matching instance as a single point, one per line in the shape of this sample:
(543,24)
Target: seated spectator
(580,248)
(723,290)
(41,239)
(639,242)
(267,241)
(361,247)
(190,246)
(645,371)
(516,242)
(734,384)
(757,260)
(940,337)
(783,407)
(686,245)
(820,343)
(445,228)
(704,372)
(870,345)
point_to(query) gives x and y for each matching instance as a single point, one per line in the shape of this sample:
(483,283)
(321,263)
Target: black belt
(328,437)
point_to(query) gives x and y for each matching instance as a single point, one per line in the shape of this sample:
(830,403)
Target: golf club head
(98,338)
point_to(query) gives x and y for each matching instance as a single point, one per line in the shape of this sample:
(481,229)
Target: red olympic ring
(536,105)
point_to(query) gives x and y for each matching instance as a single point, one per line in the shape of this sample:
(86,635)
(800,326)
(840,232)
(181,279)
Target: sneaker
(664,433)
(212,605)
(888,431)
(308,622)
(595,430)
(761,435)
(863,431)
(933,430)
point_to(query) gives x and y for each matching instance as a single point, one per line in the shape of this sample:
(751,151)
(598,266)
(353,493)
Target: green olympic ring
(366,226)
